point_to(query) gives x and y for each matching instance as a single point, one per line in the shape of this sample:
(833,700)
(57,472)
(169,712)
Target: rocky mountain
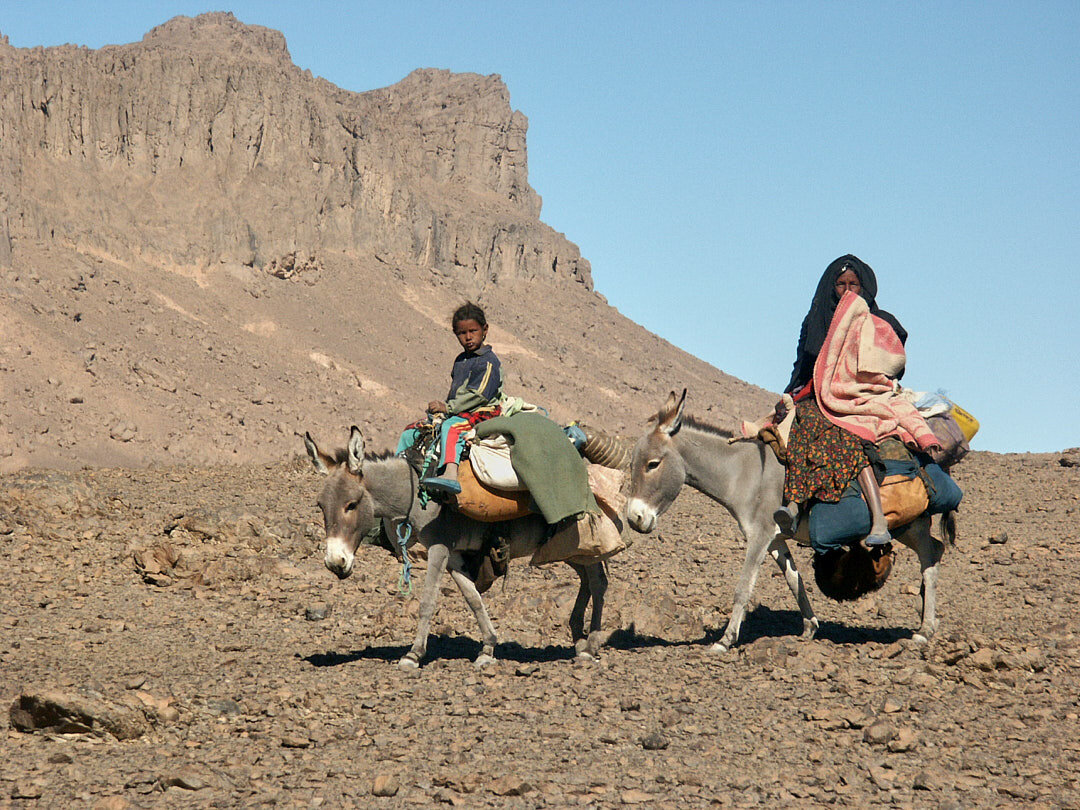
(205,248)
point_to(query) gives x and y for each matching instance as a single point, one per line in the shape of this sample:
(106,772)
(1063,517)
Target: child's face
(470,334)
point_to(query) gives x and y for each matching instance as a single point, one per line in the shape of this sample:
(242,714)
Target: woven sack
(903,499)
(846,574)
(490,459)
(606,484)
(589,539)
(483,503)
(954,444)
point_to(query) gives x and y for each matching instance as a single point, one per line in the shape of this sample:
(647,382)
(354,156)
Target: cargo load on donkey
(524,463)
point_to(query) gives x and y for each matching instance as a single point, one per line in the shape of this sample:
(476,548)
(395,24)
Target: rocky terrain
(204,250)
(186,614)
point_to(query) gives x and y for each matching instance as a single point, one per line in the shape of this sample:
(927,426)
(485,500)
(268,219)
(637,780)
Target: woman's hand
(435,406)
(780,411)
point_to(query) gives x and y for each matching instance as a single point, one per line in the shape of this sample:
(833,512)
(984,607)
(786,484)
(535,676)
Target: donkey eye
(652,465)
(351,506)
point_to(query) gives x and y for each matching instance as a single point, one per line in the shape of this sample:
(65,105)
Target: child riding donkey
(474,396)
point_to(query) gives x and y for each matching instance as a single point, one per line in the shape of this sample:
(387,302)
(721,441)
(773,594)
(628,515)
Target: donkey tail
(948,528)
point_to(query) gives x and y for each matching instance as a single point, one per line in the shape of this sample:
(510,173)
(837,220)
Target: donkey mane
(705,427)
(341,455)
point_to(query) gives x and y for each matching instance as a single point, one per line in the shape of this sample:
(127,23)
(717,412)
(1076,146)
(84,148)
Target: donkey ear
(672,413)
(322,462)
(356,451)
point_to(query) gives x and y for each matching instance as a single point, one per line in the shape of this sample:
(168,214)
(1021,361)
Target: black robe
(815,325)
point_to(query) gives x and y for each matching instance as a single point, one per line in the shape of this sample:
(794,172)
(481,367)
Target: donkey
(363,489)
(745,478)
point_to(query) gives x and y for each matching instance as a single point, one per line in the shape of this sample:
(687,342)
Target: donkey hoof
(920,640)
(719,648)
(408,661)
(586,655)
(483,660)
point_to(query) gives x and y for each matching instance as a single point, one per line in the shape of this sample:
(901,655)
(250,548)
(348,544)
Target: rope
(405,587)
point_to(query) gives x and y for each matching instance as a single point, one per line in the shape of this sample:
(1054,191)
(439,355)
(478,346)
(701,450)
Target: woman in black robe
(823,458)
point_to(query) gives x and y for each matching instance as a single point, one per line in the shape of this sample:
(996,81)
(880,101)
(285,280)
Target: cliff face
(204,144)
(205,250)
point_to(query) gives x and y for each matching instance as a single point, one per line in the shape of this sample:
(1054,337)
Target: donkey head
(346,504)
(657,472)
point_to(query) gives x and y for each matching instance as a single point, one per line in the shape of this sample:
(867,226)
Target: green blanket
(546,462)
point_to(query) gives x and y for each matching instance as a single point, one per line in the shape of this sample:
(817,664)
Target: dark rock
(655,741)
(67,712)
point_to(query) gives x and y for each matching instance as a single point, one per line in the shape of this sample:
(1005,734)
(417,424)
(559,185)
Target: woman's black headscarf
(815,325)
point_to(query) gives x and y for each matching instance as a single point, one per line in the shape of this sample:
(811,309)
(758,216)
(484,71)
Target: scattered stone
(1022,792)
(635,796)
(295,741)
(984,659)
(186,779)
(111,803)
(122,431)
(25,790)
(999,539)
(317,612)
(655,741)
(509,786)
(385,784)
(223,706)
(891,706)
(157,564)
(927,780)
(905,740)
(879,733)
(162,707)
(882,777)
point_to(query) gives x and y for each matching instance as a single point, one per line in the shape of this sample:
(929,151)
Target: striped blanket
(854,378)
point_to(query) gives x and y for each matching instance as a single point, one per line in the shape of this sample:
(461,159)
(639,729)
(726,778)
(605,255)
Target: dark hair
(468,312)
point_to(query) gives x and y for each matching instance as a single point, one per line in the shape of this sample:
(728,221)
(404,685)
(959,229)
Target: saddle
(909,489)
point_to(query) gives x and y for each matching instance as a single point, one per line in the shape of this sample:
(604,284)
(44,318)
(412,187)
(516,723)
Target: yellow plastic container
(968,423)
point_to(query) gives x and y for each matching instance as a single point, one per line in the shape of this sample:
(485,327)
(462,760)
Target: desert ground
(187,613)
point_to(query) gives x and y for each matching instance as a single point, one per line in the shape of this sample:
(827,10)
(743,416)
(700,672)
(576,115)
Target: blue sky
(710,159)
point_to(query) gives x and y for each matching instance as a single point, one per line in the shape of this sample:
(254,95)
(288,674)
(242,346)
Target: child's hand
(436,407)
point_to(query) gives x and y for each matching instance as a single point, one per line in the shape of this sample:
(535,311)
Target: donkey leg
(757,544)
(593,587)
(438,555)
(780,552)
(598,583)
(479,609)
(930,551)
(577,615)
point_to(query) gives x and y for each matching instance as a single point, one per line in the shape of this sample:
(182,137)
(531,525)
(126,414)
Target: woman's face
(847,281)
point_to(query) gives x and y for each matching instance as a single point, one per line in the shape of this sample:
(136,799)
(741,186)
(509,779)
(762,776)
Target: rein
(404,533)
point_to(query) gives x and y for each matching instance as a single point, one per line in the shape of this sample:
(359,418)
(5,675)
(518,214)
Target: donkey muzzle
(339,559)
(640,516)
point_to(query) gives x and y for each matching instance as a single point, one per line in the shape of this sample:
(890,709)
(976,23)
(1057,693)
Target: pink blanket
(853,378)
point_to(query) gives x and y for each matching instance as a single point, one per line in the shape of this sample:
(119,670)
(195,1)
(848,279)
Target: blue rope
(405,577)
